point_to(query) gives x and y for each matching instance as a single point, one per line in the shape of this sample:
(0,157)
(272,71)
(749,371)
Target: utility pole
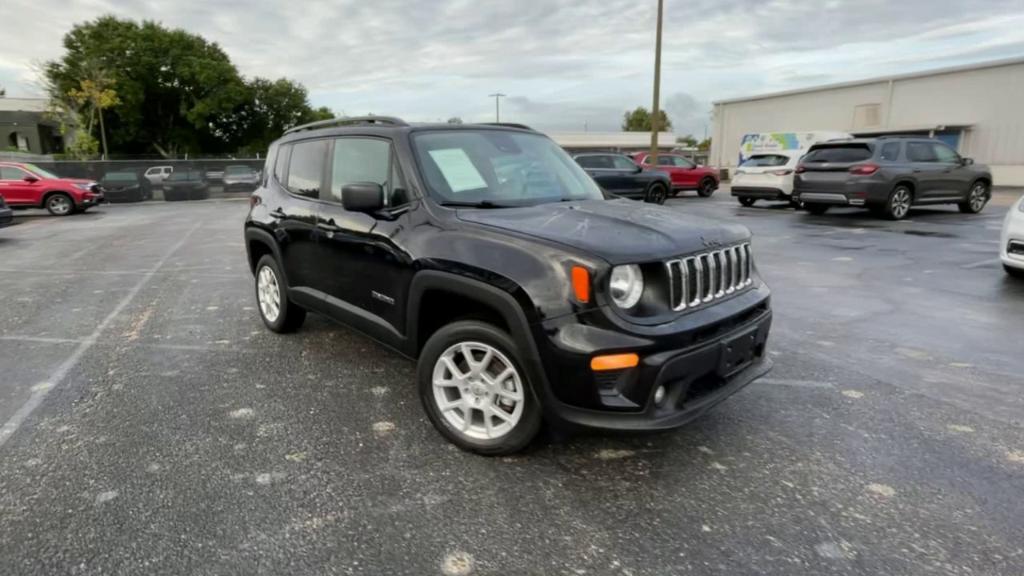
(497,107)
(655,108)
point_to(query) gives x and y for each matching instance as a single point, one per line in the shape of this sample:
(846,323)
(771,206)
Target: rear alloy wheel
(706,188)
(277,312)
(977,198)
(60,204)
(746,201)
(656,194)
(899,203)
(474,389)
(816,209)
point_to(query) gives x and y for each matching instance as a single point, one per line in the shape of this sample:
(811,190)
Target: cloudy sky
(564,64)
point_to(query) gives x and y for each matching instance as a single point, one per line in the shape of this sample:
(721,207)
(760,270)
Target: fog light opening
(659,395)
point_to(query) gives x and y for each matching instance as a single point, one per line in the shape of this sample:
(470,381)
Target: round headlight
(626,285)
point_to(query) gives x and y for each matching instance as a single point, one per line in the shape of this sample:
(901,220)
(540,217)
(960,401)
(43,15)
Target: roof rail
(346,121)
(508,125)
(888,136)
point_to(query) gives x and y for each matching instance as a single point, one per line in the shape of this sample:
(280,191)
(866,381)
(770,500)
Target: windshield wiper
(480,204)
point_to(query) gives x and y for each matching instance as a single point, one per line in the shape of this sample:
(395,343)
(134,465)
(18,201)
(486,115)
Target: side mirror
(967,161)
(638,169)
(362,197)
(31,179)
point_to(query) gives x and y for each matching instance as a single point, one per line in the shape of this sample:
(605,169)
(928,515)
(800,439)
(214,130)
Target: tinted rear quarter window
(890,152)
(594,162)
(840,154)
(766,160)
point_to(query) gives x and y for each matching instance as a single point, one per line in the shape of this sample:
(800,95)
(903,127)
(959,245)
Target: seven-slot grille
(705,277)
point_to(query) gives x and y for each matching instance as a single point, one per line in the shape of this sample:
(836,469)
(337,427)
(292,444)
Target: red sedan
(28,186)
(685,174)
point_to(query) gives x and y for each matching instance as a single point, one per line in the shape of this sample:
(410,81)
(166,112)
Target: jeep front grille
(702,278)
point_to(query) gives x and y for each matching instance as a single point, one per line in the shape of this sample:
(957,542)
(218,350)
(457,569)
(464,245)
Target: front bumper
(94,200)
(698,370)
(1012,239)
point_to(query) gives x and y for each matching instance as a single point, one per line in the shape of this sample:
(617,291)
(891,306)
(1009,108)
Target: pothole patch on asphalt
(960,429)
(241,414)
(855,394)
(106,496)
(457,563)
(383,428)
(612,454)
(882,490)
(1015,456)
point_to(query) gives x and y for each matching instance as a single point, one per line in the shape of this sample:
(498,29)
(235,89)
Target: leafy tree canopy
(639,120)
(176,92)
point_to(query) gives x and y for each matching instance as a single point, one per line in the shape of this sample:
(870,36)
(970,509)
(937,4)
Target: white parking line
(982,264)
(39,392)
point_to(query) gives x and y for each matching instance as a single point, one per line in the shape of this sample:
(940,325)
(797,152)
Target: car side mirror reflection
(362,197)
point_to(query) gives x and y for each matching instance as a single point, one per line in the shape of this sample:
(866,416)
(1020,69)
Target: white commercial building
(978,109)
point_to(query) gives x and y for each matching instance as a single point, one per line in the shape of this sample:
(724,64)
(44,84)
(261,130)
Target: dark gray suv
(888,175)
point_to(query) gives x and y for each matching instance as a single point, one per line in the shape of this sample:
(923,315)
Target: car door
(627,175)
(299,176)
(957,178)
(599,167)
(679,170)
(15,189)
(928,171)
(364,267)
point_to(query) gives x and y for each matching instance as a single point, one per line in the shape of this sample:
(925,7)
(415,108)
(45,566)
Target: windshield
(759,160)
(40,172)
(499,168)
(238,170)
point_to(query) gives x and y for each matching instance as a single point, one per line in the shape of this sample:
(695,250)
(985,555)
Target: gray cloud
(563,63)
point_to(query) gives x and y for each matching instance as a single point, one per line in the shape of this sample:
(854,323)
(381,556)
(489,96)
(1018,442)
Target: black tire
(706,188)
(290,316)
(59,204)
(521,433)
(795,203)
(897,206)
(746,200)
(673,193)
(656,194)
(1014,272)
(977,197)
(816,209)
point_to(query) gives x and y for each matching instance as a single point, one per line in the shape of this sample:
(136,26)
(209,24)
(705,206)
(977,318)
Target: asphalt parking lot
(151,425)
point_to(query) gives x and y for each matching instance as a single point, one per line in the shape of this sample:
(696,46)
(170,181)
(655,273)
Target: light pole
(497,107)
(655,110)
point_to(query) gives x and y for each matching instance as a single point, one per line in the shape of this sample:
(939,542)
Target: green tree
(269,108)
(95,93)
(687,141)
(176,92)
(639,120)
(704,145)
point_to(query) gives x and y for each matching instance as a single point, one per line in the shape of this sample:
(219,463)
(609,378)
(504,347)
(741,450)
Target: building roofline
(879,79)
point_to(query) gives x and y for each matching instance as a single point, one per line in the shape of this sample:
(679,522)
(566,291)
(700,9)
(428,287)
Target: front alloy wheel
(478,390)
(474,389)
(60,205)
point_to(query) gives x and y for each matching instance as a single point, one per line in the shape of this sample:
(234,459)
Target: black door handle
(278,213)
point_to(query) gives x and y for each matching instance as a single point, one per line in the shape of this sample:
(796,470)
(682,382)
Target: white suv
(157,174)
(1012,244)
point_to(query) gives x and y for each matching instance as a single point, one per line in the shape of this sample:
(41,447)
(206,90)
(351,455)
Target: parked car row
(887,175)
(635,177)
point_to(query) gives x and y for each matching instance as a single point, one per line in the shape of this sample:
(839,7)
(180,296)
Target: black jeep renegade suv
(523,291)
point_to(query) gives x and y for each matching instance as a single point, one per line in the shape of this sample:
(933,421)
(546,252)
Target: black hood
(620,231)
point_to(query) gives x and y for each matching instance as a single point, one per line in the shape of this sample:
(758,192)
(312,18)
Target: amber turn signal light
(614,362)
(581,283)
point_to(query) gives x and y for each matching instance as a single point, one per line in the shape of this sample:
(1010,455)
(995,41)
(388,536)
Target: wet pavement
(152,425)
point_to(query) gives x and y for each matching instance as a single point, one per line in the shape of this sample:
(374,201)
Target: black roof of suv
(522,289)
(889,175)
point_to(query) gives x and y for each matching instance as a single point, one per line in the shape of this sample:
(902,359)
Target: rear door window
(921,152)
(594,162)
(306,168)
(841,154)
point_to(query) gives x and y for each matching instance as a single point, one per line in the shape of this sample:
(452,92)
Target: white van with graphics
(768,161)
